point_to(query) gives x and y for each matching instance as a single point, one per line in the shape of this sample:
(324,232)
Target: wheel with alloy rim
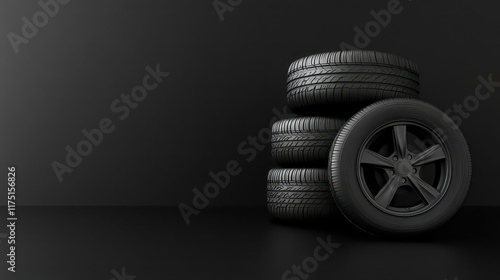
(399,166)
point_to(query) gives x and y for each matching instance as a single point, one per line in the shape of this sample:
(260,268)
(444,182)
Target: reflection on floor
(225,243)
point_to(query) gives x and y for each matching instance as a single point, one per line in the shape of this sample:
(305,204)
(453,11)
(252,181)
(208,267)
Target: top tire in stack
(326,89)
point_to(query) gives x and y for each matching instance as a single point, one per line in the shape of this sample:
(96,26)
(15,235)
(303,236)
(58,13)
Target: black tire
(422,161)
(341,83)
(299,194)
(304,141)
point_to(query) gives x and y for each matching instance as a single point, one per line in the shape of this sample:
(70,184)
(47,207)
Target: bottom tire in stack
(299,194)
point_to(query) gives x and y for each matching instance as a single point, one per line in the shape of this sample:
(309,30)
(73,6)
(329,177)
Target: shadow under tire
(299,194)
(304,141)
(399,166)
(343,82)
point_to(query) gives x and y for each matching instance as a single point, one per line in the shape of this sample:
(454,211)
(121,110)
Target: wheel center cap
(403,167)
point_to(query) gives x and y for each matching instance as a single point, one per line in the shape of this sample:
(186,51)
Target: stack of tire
(366,146)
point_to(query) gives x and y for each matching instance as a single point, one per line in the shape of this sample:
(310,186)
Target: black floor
(155,243)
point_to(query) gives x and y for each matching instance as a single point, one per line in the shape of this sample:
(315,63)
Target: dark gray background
(225,79)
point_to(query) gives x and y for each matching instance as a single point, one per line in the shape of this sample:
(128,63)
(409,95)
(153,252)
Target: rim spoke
(370,157)
(434,153)
(426,191)
(386,194)
(400,140)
